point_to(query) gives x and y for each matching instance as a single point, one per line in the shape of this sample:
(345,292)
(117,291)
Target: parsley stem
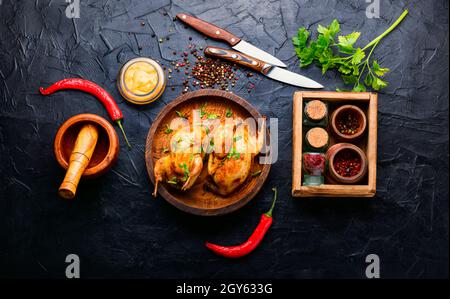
(398,21)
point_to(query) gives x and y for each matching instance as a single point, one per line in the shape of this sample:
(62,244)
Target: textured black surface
(115,226)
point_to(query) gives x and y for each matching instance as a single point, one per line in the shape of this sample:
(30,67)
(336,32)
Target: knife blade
(235,42)
(267,69)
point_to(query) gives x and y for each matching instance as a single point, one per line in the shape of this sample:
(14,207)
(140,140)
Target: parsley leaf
(353,63)
(378,70)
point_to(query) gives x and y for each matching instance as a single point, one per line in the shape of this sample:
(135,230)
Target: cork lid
(317,137)
(316,110)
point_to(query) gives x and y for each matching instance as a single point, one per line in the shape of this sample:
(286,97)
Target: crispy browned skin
(228,171)
(184,163)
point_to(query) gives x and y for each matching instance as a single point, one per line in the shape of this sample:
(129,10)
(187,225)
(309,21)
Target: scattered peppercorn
(348,123)
(211,72)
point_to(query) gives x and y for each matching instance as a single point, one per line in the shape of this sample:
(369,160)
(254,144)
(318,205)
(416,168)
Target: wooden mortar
(106,150)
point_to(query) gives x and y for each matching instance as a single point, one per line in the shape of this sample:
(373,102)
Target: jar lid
(317,137)
(141,81)
(316,110)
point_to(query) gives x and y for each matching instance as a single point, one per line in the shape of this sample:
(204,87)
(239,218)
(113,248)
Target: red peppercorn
(347,163)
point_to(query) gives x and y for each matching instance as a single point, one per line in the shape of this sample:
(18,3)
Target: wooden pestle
(79,160)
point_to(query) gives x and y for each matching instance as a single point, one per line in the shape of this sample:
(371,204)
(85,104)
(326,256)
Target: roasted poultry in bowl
(203,152)
(230,144)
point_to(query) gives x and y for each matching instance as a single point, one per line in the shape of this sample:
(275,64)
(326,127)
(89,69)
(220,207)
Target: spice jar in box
(316,114)
(314,165)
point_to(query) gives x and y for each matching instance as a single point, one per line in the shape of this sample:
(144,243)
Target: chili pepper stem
(275,195)
(119,122)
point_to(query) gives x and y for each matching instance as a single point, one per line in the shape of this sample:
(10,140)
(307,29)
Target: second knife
(235,42)
(267,69)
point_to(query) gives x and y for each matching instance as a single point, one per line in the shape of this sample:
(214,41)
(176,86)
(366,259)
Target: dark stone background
(115,226)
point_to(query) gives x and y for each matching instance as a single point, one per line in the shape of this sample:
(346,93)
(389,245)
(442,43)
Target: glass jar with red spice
(314,165)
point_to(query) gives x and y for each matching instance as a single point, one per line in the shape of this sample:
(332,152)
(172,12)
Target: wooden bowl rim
(350,107)
(113,150)
(162,189)
(348,146)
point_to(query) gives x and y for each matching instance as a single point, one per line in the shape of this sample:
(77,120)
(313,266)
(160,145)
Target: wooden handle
(209,29)
(79,160)
(239,58)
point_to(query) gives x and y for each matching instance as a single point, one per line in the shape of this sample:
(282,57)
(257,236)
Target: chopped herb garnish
(180,114)
(168,130)
(185,170)
(236,138)
(165,150)
(173,181)
(229,113)
(212,116)
(256,173)
(202,109)
(233,154)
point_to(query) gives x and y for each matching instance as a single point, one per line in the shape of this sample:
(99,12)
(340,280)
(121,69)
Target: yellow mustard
(141,81)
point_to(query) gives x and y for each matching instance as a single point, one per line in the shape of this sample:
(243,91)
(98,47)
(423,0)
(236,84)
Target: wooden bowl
(199,200)
(106,150)
(334,150)
(362,120)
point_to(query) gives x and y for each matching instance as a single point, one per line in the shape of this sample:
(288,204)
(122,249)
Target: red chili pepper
(252,242)
(90,87)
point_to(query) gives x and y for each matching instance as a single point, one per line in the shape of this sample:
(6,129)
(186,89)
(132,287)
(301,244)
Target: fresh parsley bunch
(353,63)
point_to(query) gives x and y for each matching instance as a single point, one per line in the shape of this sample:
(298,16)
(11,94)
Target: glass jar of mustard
(141,81)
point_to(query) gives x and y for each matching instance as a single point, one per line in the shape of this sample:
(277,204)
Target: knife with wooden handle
(235,42)
(209,29)
(258,65)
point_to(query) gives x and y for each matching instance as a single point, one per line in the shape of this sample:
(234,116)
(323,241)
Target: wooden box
(368,103)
